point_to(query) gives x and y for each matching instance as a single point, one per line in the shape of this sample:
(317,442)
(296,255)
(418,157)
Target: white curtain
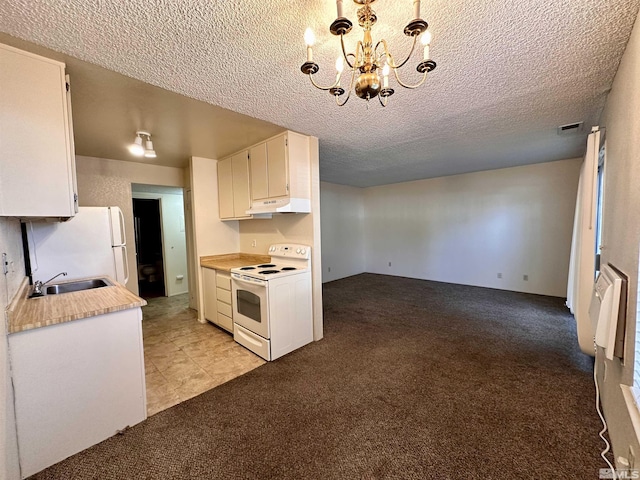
(582,264)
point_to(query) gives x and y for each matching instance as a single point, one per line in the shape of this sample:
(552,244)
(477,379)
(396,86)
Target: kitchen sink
(78,286)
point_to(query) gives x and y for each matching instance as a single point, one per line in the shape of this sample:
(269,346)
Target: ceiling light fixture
(367,59)
(138,150)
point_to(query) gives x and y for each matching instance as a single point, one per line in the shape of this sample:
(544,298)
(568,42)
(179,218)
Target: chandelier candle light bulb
(416,8)
(385,76)
(309,39)
(426,41)
(339,5)
(339,70)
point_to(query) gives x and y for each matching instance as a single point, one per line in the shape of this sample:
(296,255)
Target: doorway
(149,258)
(161,240)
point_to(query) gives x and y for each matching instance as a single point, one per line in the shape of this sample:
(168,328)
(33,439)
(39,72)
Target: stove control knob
(298,250)
(303,251)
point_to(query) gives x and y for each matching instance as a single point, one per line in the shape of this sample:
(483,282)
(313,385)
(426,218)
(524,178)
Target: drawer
(225,322)
(223,280)
(223,295)
(255,343)
(225,309)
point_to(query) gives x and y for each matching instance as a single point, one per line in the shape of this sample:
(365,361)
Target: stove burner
(269,272)
(266,265)
(288,268)
(247,268)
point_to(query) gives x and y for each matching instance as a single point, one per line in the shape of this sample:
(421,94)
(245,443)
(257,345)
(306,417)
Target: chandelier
(367,61)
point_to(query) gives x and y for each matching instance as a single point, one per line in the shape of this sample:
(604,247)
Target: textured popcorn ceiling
(509,72)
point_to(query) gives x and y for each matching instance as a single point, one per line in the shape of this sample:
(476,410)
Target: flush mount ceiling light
(367,60)
(138,150)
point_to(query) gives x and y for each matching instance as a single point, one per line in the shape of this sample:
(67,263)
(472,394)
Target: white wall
(343,213)
(621,230)
(103,182)
(467,228)
(11,244)
(174,243)
(211,235)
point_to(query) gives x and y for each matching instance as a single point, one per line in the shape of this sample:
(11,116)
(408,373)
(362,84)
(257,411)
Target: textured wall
(343,212)
(468,228)
(11,244)
(621,229)
(103,183)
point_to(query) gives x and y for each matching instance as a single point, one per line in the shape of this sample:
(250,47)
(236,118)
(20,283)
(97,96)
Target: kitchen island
(77,368)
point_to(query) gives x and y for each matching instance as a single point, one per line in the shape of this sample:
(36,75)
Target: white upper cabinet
(277,166)
(233,186)
(37,161)
(241,194)
(281,174)
(259,172)
(276,178)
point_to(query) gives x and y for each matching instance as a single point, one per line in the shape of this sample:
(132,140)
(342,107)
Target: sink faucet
(37,286)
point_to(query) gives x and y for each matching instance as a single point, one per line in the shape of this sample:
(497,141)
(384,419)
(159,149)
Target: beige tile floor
(183,357)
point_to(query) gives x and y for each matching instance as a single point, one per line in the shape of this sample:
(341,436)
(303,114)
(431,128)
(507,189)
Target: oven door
(250,304)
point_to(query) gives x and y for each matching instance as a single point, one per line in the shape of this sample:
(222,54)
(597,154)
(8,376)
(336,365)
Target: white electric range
(272,302)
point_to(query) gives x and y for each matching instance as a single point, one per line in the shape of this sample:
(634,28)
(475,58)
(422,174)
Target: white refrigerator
(92,243)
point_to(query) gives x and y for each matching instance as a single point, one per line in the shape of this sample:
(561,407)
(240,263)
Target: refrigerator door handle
(126,264)
(123,240)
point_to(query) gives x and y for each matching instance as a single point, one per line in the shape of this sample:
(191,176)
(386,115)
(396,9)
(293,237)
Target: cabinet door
(209,292)
(277,167)
(36,178)
(225,188)
(241,193)
(259,179)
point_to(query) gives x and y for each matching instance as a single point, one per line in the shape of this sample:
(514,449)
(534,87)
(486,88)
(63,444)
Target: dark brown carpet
(414,380)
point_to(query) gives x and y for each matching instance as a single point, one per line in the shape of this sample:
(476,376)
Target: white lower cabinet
(76,384)
(209,290)
(217,298)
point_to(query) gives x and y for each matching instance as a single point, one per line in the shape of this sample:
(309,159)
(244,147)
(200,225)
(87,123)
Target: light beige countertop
(27,313)
(232,260)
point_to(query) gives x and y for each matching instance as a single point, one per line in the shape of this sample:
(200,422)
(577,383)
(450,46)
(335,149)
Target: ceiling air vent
(571,128)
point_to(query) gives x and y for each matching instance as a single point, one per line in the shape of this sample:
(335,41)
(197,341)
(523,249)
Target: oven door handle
(249,282)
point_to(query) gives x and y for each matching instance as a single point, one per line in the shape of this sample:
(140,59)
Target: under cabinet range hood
(280,205)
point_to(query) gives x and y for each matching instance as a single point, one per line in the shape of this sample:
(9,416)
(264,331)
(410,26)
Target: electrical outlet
(499,275)
(254,243)
(525,278)
(329,269)
(5,264)
(389,263)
